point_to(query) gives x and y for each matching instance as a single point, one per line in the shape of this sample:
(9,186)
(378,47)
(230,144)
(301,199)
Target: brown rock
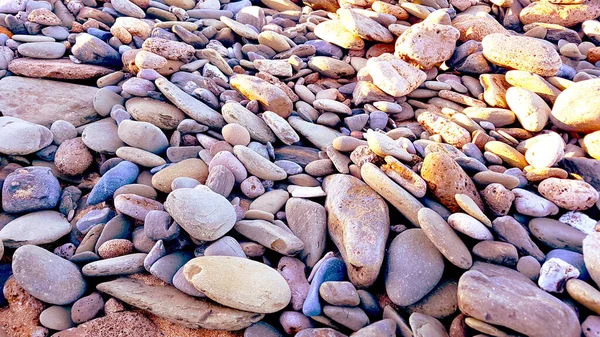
(191,168)
(453,181)
(565,15)
(73,157)
(61,69)
(127,323)
(21,316)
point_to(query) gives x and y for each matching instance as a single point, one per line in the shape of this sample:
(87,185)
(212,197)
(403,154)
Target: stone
(268,95)
(427,43)
(352,318)
(554,275)
(510,230)
(126,322)
(271,236)
(339,293)
(37,270)
(476,27)
(30,189)
(591,256)
(62,69)
(124,173)
(247,285)
(308,221)
(331,67)
(362,247)
(73,157)
(530,109)
(143,135)
(394,76)
(444,238)
(566,15)
(425,325)
(203,214)
(531,204)
(469,226)
(364,27)
(333,31)
(493,299)
(191,168)
(56,318)
(35,228)
(569,194)
(497,252)
(414,267)
(258,165)
(454,181)
(574,109)
(161,114)
(42,50)
(86,308)
(521,53)
(21,98)
(92,50)
(327,269)
(102,137)
(256,128)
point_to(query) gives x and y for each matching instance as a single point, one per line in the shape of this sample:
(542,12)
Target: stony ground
(324,168)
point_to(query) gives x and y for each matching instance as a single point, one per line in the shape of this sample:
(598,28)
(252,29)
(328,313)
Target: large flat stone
(45,101)
(60,69)
(169,303)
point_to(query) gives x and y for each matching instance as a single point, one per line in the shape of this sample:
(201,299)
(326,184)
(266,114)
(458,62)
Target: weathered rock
(575,108)
(358,224)
(35,228)
(22,98)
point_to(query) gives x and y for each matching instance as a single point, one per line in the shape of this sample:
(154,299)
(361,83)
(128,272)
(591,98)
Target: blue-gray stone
(166,267)
(332,269)
(93,218)
(90,49)
(566,71)
(99,33)
(124,173)
(29,189)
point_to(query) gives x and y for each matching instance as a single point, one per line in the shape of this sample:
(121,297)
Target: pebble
(42,50)
(444,238)
(36,270)
(32,137)
(203,214)
(568,112)
(209,274)
(20,231)
(30,189)
(569,194)
(56,318)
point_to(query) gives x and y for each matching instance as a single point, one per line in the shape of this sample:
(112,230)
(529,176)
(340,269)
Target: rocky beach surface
(309,168)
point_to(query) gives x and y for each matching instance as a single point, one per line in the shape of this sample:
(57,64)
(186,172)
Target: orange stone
(4,30)
(593,55)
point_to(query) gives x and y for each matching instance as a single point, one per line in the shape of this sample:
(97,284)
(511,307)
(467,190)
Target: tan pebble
(498,199)
(470,226)
(383,146)
(451,132)
(468,205)
(495,87)
(115,247)
(507,153)
(534,174)
(530,109)
(591,144)
(488,177)
(404,176)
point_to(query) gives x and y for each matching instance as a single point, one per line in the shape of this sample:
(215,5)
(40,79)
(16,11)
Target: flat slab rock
(61,69)
(36,101)
(169,303)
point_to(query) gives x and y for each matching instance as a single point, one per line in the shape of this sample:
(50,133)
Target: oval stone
(577,108)
(204,214)
(39,272)
(35,228)
(239,283)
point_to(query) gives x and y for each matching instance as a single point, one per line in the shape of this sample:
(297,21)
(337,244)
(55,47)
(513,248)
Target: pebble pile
(308,168)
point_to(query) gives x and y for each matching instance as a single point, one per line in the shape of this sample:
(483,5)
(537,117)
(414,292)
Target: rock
(510,230)
(268,95)
(585,294)
(203,214)
(73,157)
(333,31)
(444,238)
(126,322)
(454,181)
(28,229)
(570,194)
(427,43)
(19,137)
(42,50)
(339,293)
(257,164)
(555,273)
(21,98)
(61,69)
(161,114)
(352,318)
(492,299)
(190,106)
(321,136)
(469,226)
(293,271)
(143,135)
(263,232)
(191,168)
(566,15)
(308,221)
(546,151)
(128,8)
(530,109)
(393,76)
(476,27)
(12,6)
(331,67)
(411,254)
(236,287)
(37,270)
(425,326)
(124,173)
(56,318)
(120,265)
(253,125)
(30,189)
(92,50)
(574,109)
(556,234)
(531,204)
(591,256)
(383,328)
(328,269)
(364,27)
(86,308)
(362,247)
(522,53)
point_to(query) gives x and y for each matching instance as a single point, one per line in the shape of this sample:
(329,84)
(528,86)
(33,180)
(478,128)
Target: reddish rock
(21,317)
